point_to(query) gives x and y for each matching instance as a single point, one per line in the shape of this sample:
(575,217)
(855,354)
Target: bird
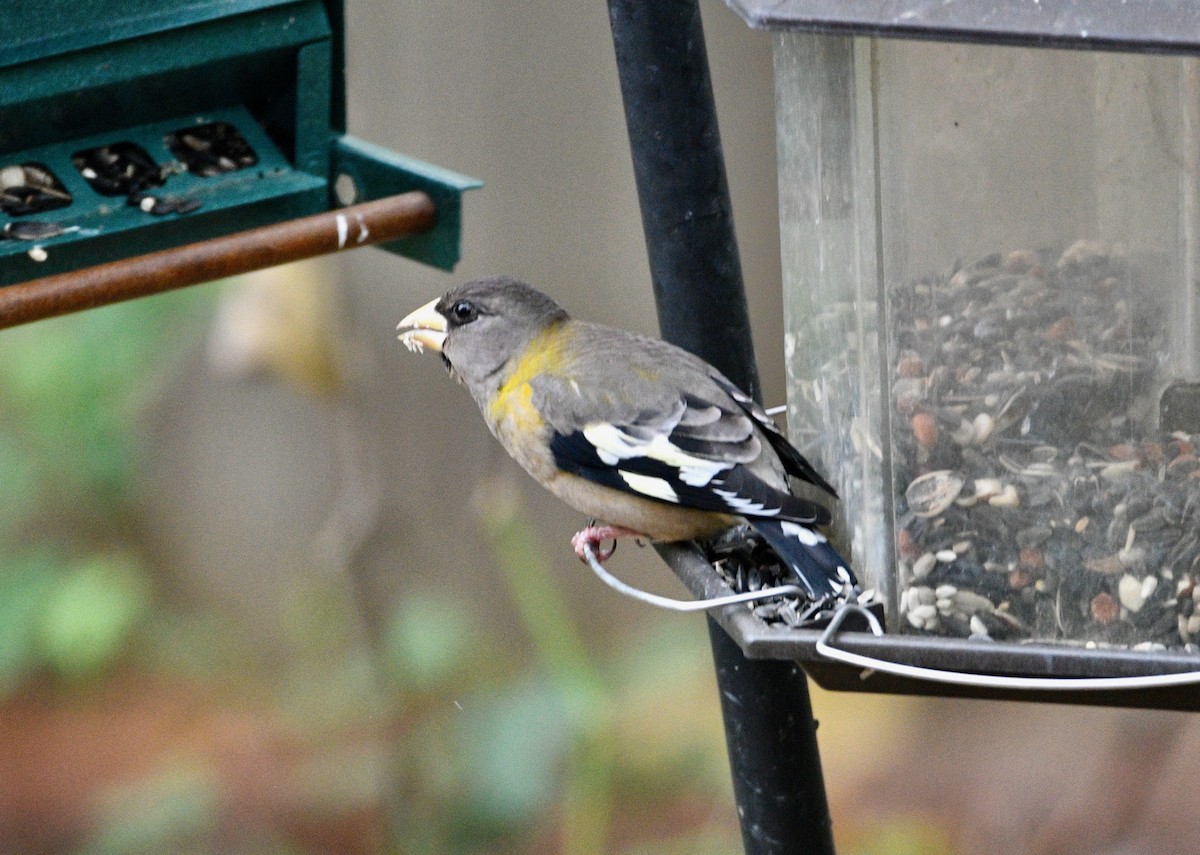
(646,439)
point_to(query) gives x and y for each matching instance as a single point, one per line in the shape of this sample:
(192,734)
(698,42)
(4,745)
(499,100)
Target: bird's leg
(595,536)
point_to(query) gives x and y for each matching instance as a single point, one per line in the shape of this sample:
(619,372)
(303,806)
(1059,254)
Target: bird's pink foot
(596,535)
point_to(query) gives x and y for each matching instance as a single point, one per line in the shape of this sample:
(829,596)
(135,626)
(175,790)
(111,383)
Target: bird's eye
(463,312)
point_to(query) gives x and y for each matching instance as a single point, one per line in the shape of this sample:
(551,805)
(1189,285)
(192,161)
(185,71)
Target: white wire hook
(990,681)
(684,605)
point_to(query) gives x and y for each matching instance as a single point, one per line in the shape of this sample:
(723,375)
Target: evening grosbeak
(630,430)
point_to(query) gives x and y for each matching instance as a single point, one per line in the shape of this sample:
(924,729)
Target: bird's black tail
(822,571)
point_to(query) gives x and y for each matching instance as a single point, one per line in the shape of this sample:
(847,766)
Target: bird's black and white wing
(793,461)
(698,455)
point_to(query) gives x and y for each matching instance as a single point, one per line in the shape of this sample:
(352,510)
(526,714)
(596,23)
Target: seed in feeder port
(1104,609)
(1081,253)
(923,565)
(1019,578)
(1129,592)
(12,176)
(1120,471)
(1020,261)
(986,488)
(910,365)
(1006,498)
(1108,565)
(978,628)
(1033,536)
(1183,464)
(1061,330)
(983,424)
(1031,559)
(924,616)
(907,549)
(1131,556)
(969,603)
(925,429)
(1193,626)
(934,492)
(964,434)
(38,254)
(32,230)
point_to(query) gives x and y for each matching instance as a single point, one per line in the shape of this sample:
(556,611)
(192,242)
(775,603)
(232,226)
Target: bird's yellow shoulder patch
(513,401)
(647,374)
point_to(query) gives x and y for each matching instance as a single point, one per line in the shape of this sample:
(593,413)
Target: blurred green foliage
(26,581)
(73,588)
(163,813)
(90,611)
(69,394)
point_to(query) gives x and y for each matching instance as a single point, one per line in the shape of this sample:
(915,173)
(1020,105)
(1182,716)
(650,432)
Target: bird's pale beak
(424,328)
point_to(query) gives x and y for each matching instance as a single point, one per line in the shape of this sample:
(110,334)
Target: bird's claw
(596,536)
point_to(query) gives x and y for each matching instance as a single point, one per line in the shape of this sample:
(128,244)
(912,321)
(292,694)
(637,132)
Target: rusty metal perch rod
(320,234)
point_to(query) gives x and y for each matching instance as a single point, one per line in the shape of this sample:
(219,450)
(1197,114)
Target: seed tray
(760,639)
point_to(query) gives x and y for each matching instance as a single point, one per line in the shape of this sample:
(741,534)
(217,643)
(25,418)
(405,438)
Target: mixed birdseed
(211,149)
(1037,494)
(30,188)
(1045,473)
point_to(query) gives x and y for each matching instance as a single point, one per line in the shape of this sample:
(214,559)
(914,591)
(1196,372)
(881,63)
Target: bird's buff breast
(657,520)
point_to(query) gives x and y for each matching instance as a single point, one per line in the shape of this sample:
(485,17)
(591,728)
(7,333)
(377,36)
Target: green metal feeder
(134,127)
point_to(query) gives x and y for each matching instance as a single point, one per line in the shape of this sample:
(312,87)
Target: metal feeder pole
(697,277)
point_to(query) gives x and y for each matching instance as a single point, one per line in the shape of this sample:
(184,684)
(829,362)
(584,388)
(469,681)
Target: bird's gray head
(479,326)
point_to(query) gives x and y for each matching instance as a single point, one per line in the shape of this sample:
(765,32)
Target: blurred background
(268,586)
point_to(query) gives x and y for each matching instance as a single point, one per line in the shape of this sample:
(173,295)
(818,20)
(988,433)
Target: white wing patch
(809,537)
(648,485)
(614,445)
(747,506)
(805,535)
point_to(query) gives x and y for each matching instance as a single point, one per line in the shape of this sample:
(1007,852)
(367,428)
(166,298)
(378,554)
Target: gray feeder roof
(1168,26)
